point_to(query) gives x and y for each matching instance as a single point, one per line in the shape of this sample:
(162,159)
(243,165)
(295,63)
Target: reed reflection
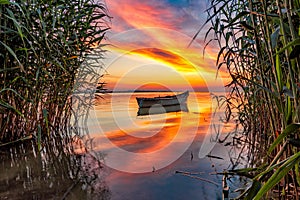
(56,172)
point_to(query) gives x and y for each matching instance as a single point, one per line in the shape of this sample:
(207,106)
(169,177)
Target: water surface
(142,153)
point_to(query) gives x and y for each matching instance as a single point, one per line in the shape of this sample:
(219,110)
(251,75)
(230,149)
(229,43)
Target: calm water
(141,156)
(142,153)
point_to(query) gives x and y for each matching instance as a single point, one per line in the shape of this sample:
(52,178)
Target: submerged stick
(201,179)
(216,157)
(189,173)
(15,141)
(225,186)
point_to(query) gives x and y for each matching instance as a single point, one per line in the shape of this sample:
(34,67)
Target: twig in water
(189,173)
(225,187)
(216,157)
(202,179)
(69,190)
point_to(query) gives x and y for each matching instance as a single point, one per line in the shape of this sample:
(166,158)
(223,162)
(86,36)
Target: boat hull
(163,101)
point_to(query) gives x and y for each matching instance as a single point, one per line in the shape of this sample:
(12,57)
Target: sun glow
(142,39)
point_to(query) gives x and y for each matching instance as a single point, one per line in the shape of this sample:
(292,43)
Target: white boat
(163,101)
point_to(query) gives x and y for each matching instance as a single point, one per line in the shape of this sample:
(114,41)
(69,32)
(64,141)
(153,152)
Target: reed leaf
(19,140)
(253,190)
(289,45)
(278,175)
(297,171)
(2,2)
(14,55)
(279,72)
(287,131)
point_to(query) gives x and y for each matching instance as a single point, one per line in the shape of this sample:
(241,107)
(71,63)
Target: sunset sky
(149,46)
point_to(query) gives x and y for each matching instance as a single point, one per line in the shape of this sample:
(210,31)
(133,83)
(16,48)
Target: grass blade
(288,130)
(278,175)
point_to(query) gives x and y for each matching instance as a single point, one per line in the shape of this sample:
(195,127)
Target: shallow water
(139,155)
(56,172)
(142,153)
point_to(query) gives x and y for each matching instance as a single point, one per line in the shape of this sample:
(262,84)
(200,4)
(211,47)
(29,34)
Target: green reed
(259,49)
(46,54)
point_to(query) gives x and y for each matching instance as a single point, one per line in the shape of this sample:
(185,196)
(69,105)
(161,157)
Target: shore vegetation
(259,49)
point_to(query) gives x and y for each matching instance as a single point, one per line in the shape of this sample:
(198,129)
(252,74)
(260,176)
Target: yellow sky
(150,49)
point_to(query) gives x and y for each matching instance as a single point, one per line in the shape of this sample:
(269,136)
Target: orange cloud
(167,57)
(192,68)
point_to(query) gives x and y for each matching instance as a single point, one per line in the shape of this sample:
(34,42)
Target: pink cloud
(128,14)
(157,24)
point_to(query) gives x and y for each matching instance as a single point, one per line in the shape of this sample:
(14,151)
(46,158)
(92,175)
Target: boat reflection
(159,109)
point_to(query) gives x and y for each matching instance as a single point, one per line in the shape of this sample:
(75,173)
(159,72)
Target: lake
(174,155)
(143,153)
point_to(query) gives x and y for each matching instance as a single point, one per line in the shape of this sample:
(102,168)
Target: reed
(259,48)
(46,53)
(50,57)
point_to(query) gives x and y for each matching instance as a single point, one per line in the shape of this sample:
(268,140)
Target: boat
(158,109)
(163,101)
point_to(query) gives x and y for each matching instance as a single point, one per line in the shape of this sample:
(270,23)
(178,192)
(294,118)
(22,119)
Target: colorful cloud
(158,32)
(167,57)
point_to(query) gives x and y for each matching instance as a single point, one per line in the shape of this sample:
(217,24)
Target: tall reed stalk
(44,45)
(259,48)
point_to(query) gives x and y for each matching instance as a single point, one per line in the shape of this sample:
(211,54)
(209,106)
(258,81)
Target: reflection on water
(156,145)
(129,142)
(116,119)
(158,109)
(54,173)
(165,143)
